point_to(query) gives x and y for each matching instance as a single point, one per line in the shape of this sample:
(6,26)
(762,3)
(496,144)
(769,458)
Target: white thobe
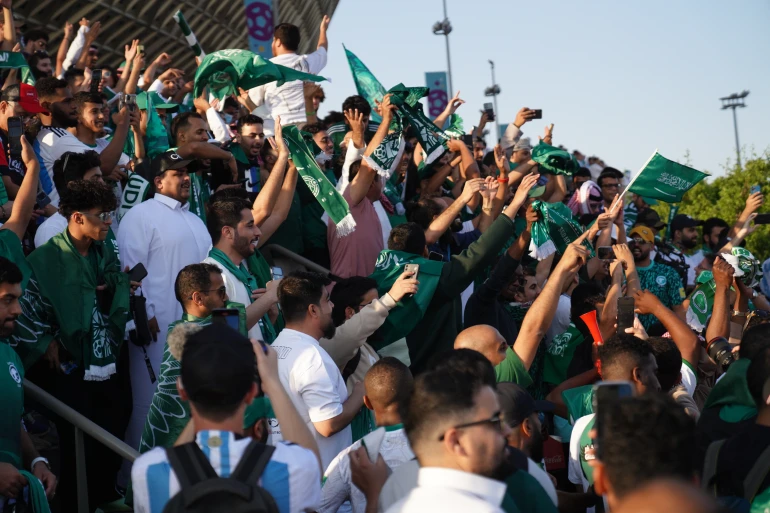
(165,236)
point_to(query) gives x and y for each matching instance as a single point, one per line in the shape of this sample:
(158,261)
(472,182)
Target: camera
(721,352)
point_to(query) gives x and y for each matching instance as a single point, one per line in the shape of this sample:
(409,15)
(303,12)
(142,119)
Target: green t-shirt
(289,234)
(559,355)
(665,283)
(12,400)
(512,370)
(524,493)
(579,401)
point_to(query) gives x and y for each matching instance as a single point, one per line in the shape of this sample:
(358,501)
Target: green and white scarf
(701,301)
(409,311)
(746,266)
(323,191)
(69,281)
(199,196)
(554,231)
(432,138)
(189,36)
(387,155)
(455,129)
(248,277)
(136,191)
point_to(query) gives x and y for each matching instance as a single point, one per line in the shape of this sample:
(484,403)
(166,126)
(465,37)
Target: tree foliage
(725,197)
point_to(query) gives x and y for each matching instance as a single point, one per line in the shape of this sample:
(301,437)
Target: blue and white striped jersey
(292,476)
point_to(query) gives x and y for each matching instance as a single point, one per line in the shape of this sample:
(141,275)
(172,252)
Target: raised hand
(356,121)
(723,273)
(501,160)
(523,116)
(69,30)
(470,188)
(525,186)
(454,104)
(280,145)
(405,284)
(325,23)
(130,51)
(645,302)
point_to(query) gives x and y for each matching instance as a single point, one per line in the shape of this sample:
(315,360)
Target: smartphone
(625,314)
(755,189)
(138,273)
(130,101)
(604,394)
(538,113)
(42,199)
(411,268)
(96,80)
(762,219)
(277,273)
(435,256)
(227,316)
(490,111)
(468,140)
(140,48)
(15,133)
(605,253)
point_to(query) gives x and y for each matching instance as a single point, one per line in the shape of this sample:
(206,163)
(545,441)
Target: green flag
(409,311)
(156,141)
(367,84)
(15,60)
(664,179)
(701,301)
(554,231)
(322,189)
(223,72)
(554,160)
(455,128)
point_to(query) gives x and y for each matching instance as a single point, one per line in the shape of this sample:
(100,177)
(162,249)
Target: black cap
(648,217)
(517,404)
(682,221)
(218,366)
(582,171)
(166,161)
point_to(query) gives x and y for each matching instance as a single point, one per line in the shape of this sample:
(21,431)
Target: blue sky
(618,79)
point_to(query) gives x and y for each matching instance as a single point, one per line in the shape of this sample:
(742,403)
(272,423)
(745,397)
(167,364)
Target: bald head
(667,496)
(484,339)
(388,384)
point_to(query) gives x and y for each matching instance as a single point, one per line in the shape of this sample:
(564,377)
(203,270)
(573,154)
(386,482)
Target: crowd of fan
(436,366)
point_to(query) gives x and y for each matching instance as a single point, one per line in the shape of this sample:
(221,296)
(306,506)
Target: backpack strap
(710,464)
(351,366)
(756,475)
(190,465)
(253,462)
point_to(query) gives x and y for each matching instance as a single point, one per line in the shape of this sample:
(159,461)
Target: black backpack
(202,490)
(751,484)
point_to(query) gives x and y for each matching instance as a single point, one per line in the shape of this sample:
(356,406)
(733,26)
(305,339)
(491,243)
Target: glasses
(102,216)
(222,291)
(495,420)
(610,185)
(638,242)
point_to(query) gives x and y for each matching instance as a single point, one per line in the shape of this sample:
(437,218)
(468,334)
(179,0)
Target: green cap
(157,102)
(260,408)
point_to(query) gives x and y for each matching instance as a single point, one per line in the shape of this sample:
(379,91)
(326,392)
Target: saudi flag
(701,301)
(224,71)
(555,160)
(554,231)
(366,84)
(664,179)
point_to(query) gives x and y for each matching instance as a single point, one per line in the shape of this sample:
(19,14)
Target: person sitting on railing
(218,399)
(17,453)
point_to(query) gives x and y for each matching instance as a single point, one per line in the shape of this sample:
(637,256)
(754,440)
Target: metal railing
(81,425)
(308,264)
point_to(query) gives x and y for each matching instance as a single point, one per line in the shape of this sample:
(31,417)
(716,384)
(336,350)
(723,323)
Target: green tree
(725,197)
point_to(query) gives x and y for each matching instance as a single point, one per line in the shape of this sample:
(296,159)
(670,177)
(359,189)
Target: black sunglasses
(496,421)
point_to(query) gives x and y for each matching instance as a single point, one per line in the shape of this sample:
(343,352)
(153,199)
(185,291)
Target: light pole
(493,92)
(444,28)
(734,101)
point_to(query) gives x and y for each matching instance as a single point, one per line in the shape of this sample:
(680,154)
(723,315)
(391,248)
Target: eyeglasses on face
(638,241)
(495,420)
(102,216)
(610,185)
(222,291)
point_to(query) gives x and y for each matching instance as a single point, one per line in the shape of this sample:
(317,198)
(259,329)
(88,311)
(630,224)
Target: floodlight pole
(444,28)
(734,101)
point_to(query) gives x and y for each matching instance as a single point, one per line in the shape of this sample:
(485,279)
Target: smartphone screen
(762,219)
(15,133)
(227,316)
(625,314)
(538,114)
(755,189)
(96,80)
(438,257)
(490,111)
(277,273)
(138,273)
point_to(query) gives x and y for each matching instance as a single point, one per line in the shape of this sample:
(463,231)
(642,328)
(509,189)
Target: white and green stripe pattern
(188,35)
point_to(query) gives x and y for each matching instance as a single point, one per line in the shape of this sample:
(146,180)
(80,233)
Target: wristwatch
(37,460)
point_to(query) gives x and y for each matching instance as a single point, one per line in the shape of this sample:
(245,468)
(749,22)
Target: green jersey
(665,283)
(524,493)
(289,234)
(512,370)
(12,393)
(559,355)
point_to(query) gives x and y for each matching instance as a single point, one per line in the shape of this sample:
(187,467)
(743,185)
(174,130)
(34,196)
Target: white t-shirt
(51,227)
(237,292)
(693,261)
(575,472)
(291,476)
(338,485)
(561,320)
(315,386)
(688,378)
(288,100)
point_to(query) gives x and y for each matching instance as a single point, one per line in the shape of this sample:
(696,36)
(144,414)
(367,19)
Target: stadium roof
(218,24)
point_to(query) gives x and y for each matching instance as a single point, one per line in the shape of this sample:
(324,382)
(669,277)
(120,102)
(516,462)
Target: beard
(243,246)
(330,329)
(6,331)
(536,447)
(506,466)
(689,243)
